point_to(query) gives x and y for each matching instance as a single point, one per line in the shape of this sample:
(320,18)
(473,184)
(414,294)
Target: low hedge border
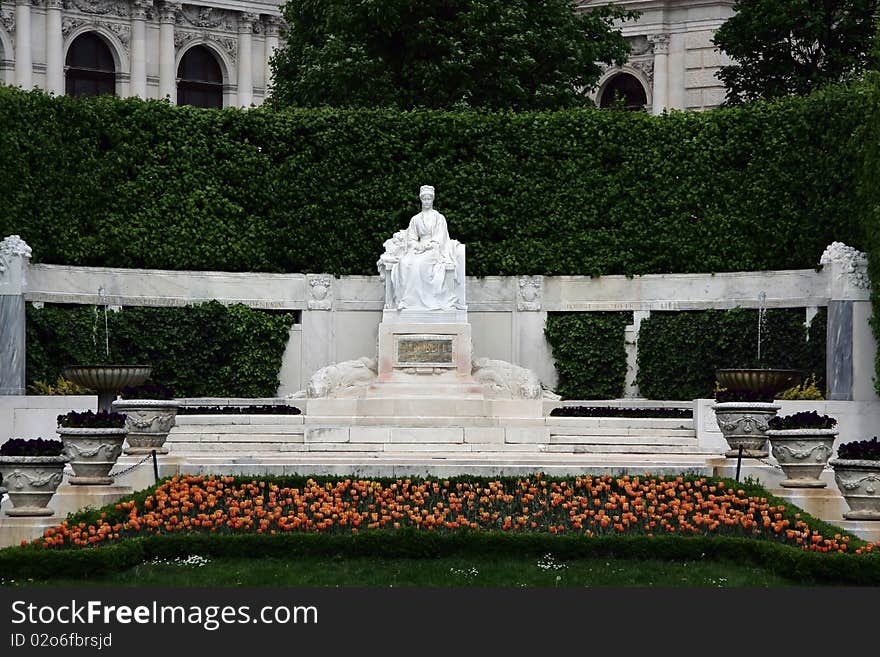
(29,562)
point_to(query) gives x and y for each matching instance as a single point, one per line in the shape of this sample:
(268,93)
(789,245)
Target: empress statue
(422,267)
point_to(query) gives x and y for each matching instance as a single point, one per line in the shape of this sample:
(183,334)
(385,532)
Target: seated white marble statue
(426,267)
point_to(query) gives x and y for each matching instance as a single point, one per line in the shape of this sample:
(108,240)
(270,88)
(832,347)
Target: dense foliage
(725,396)
(680,351)
(869,196)
(31,447)
(589,352)
(147,390)
(803,420)
(208,350)
(261,409)
(129,183)
(501,54)
(861,450)
(794,47)
(622,411)
(91,420)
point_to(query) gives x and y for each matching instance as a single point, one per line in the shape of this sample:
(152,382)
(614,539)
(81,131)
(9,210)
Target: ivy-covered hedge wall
(680,351)
(589,352)
(869,195)
(124,182)
(207,350)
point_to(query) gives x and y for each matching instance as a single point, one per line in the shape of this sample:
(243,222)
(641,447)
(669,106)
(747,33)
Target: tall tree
(794,46)
(516,54)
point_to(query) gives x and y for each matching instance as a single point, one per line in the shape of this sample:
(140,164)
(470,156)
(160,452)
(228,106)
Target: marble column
(661,72)
(530,347)
(54,48)
(14,256)
(318,325)
(631,347)
(139,47)
(850,348)
(167,66)
(24,63)
(246,22)
(271,44)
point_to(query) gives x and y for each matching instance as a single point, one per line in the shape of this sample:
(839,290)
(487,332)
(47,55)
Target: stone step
(646,439)
(409,407)
(692,448)
(627,422)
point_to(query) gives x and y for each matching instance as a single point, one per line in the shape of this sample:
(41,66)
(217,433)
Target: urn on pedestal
(32,471)
(743,418)
(93,442)
(857,474)
(150,413)
(802,445)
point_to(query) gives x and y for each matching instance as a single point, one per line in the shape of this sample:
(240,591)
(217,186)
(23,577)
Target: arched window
(90,69)
(200,80)
(625,89)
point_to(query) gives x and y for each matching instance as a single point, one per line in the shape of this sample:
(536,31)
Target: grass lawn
(486,571)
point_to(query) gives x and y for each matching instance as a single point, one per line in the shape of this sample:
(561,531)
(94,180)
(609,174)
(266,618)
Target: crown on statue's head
(426,188)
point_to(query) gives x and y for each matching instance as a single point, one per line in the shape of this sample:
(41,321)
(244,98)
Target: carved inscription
(418,350)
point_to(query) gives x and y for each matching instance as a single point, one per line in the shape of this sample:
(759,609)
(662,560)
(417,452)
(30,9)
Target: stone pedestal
(438,351)
(14,256)
(15,530)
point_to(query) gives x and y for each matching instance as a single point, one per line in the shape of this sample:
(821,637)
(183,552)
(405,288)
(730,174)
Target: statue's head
(426,195)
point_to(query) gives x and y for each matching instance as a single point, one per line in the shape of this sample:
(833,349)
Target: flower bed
(584,506)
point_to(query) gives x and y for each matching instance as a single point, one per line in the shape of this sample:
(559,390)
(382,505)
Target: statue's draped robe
(418,278)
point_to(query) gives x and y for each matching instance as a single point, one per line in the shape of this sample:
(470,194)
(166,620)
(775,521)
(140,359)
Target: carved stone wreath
(529,292)
(101,7)
(320,291)
(853,263)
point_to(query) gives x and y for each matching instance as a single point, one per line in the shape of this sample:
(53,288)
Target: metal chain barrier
(148,457)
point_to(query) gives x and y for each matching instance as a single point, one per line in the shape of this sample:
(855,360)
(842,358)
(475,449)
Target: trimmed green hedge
(207,350)
(589,353)
(131,183)
(680,351)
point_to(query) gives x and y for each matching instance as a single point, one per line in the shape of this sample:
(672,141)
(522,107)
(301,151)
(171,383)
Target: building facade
(216,53)
(208,54)
(673,63)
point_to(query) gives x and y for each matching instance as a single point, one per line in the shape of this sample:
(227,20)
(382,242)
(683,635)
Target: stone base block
(424,348)
(826,504)
(69,499)
(15,530)
(867,530)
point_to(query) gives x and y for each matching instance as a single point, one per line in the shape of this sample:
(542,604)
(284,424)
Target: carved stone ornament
(660,43)
(206,18)
(140,8)
(12,247)
(92,453)
(529,292)
(853,263)
(745,425)
(55,4)
(247,21)
(339,378)
(31,482)
(100,7)
(7,21)
(272,25)
(169,12)
(181,38)
(646,68)
(802,455)
(320,291)
(71,23)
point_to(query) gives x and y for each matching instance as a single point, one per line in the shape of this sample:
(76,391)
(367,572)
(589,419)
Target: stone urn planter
(31,481)
(859,482)
(802,454)
(107,380)
(745,424)
(756,380)
(147,422)
(93,442)
(857,473)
